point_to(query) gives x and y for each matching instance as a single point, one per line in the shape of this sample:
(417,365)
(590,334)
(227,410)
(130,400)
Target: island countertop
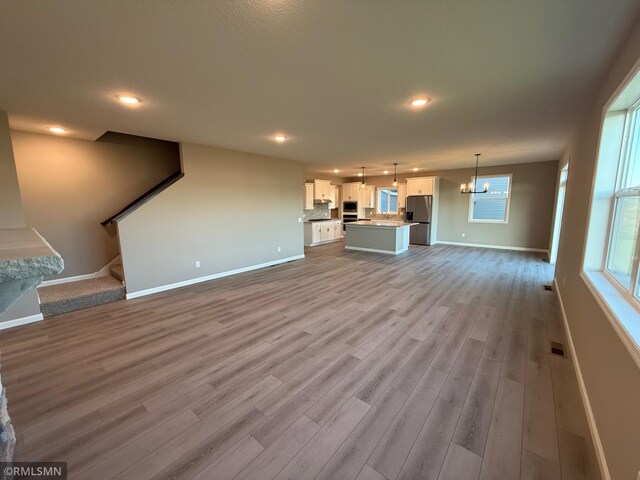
(380,223)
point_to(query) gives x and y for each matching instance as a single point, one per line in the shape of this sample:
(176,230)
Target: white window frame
(478,183)
(618,303)
(378,200)
(632,117)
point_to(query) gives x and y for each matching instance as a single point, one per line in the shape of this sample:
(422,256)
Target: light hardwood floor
(432,364)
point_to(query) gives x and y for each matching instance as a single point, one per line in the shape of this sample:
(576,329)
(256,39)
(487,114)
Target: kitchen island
(380,236)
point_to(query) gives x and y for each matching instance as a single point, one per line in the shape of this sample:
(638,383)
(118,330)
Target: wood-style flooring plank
(353,453)
(315,454)
(540,434)
(280,452)
(430,448)
(460,464)
(502,452)
(394,447)
(537,468)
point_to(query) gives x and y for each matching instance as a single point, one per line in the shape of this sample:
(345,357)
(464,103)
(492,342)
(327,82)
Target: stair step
(117,271)
(69,297)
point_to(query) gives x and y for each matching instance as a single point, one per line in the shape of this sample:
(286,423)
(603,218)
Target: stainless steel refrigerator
(418,210)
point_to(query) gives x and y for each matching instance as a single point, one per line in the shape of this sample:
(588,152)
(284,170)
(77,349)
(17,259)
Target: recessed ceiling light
(335,170)
(386,171)
(128,99)
(280,138)
(419,102)
(415,169)
(58,130)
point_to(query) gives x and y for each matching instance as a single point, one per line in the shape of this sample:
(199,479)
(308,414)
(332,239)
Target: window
(387,200)
(493,206)
(612,248)
(622,255)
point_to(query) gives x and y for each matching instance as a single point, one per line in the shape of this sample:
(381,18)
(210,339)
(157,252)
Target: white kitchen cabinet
(402,195)
(366,198)
(421,186)
(326,232)
(332,197)
(337,229)
(322,189)
(350,191)
(316,233)
(308,196)
(312,233)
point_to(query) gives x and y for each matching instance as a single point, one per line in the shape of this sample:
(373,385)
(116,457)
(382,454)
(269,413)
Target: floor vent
(548,287)
(557,349)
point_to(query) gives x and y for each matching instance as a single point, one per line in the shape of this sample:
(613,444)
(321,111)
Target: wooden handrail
(144,198)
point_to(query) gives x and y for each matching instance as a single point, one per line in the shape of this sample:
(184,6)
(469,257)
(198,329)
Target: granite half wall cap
(25,254)
(25,257)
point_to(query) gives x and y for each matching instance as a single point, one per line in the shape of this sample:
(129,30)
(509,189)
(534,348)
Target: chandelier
(470,188)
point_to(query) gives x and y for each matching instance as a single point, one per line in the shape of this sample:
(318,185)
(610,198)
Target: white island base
(391,237)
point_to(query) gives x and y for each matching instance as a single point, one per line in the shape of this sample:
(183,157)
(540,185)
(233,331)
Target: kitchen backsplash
(320,210)
(371,213)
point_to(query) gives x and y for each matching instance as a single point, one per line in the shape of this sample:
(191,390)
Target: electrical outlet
(279,249)
(197,263)
(299,220)
(464,235)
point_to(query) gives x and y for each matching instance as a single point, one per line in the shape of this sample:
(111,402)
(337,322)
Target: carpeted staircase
(68,297)
(117,271)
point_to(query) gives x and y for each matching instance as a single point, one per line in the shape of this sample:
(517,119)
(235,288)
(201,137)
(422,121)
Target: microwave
(350,207)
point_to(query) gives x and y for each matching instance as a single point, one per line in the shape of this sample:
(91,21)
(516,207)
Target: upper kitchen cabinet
(323,190)
(366,198)
(402,195)
(421,186)
(308,196)
(350,191)
(334,196)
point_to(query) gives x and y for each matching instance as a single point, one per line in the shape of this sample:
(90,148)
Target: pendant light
(395,180)
(363,185)
(470,188)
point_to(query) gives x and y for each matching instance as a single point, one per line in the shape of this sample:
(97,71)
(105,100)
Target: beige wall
(611,376)
(12,216)
(531,210)
(69,186)
(335,179)
(230,210)
(11,213)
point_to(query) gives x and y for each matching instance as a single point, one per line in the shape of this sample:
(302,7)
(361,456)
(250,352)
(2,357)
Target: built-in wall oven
(350,207)
(348,218)
(349,213)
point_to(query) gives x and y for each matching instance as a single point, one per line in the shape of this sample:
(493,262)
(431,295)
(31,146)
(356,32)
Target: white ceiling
(508,78)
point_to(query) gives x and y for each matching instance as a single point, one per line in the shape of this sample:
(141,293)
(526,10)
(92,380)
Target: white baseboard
(185,283)
(593,428)
(77,278)
(498,247)
(374,250)
(21,321)
(103,272)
